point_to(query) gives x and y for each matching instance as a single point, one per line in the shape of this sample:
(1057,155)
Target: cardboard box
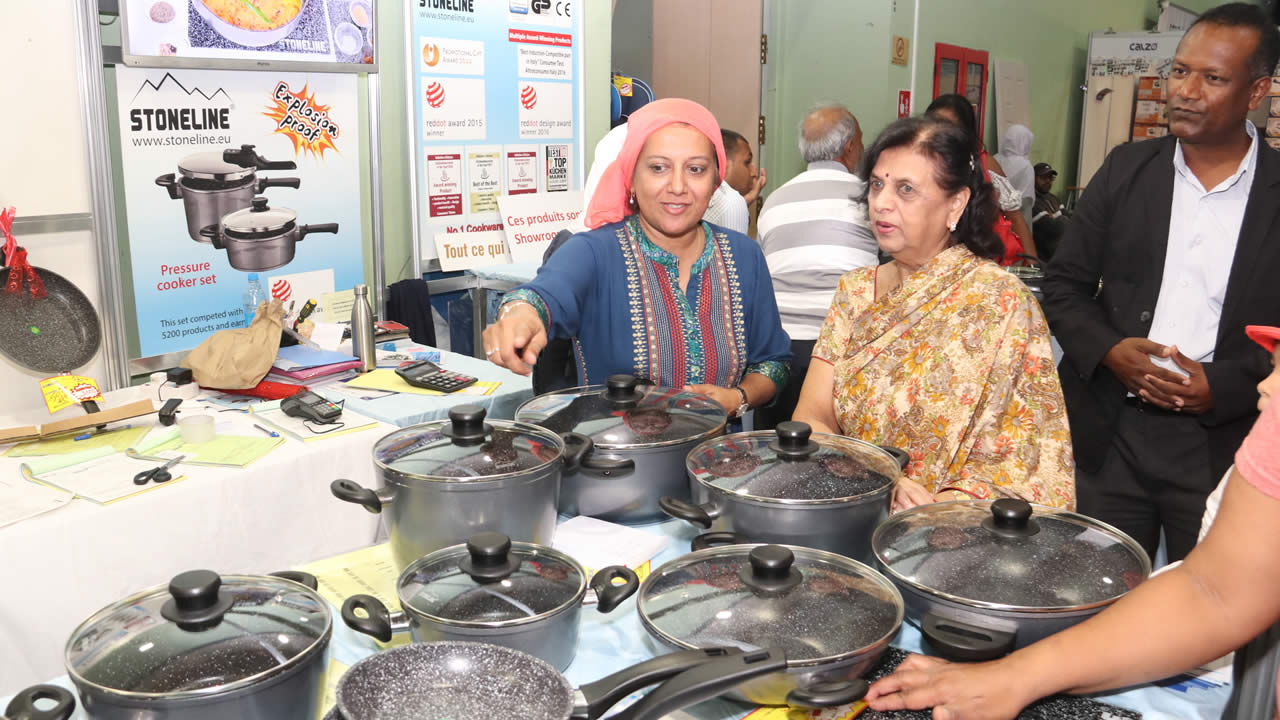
(1151,87)
(1275,85)
(77,423)
(1150,112)
(1146,132)
(1274,143)
(1273,127)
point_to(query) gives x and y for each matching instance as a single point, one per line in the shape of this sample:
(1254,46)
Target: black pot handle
(576,447)
(716,539)
(306,230)
(608,595)
(289,182)
(302,578)
(23,705)
(377,625)
(705,682)
(351,492)
(169,182)
(247,157)
(828,694)
(901,456)
(963,642)
(211,232)
(605,692)
(685,510)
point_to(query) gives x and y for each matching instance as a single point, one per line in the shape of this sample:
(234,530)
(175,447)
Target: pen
(91,433)
(272,434)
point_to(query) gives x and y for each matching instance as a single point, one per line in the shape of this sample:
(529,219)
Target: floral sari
(954,366)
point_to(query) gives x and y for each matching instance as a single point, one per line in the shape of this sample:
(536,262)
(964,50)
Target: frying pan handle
(211,232)
(902,456)
(351,492)
(169,182)
(23,705)
(963,642)
(828,694)
(265,183)
(305,230)
(608,595)
(716,539)
(685,510)
(302,578)
(380,624)
(605,692)
(705,682)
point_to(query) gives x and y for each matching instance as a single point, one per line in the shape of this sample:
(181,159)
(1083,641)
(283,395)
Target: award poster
(197,147)
(497,104)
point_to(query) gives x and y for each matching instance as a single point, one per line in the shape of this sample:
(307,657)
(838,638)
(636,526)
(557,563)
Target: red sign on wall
(904,103)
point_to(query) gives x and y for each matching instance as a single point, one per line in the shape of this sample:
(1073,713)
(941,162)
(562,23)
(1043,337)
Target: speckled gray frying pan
(53,334)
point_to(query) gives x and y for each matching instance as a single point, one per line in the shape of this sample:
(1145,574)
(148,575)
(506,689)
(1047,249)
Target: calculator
(426,374)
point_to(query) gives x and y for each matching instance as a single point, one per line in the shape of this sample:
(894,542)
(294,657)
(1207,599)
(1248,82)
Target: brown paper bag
(239,358)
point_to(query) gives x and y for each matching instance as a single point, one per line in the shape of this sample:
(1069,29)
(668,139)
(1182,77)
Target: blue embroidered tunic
(618,296)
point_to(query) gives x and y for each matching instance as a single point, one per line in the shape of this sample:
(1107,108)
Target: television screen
(317,35)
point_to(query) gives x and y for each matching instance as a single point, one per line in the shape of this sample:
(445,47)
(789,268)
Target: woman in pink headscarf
(651,290)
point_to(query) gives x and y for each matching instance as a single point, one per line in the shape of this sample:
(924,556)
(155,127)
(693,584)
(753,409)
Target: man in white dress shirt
(730,204)
(1157,374)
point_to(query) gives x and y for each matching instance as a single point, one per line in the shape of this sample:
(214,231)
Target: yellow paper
(332,676)
(63,391)
(847,712)
(117,440)
(387,379)
(371,571)
(230,450)
(337,306)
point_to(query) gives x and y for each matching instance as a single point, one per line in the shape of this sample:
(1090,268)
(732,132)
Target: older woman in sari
(940,352)
(652,290)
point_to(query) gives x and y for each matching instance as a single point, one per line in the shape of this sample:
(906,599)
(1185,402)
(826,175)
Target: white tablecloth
(58,568)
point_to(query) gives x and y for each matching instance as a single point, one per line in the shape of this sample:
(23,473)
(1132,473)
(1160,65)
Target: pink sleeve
(1258,459)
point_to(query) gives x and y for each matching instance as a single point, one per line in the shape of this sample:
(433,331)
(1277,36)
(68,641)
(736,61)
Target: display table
(277,512)
(404,409)
(611,642)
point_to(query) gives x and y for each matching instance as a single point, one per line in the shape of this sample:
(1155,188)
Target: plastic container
(197,428)
(253,296)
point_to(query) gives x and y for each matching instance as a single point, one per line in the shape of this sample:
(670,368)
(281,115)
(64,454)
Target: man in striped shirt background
(812,231)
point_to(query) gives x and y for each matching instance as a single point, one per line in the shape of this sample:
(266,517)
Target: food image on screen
(255,14)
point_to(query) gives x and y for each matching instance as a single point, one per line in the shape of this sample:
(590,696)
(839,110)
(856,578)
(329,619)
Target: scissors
(158,474)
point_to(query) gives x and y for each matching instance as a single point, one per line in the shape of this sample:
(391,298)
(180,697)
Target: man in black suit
(1172,250)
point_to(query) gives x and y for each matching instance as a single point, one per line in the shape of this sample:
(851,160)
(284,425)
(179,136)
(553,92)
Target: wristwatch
(745,407)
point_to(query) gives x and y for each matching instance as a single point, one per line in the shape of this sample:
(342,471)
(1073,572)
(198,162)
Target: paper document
(301,357)
(371,571)
(116,440)
(336,306)
(331,677)
(223,450)
(103,480)
(387,379)
(597,544)
(307,430)
(20,500)
(327,335)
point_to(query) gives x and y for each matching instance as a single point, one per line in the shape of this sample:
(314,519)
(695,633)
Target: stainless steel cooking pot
(626,442)
(832,616)
(245,36)
(522,596)
(22,706)
(215,184)
(476,681)
(447,480)
(983,578)
(205,647)
(792,487)
(260,237)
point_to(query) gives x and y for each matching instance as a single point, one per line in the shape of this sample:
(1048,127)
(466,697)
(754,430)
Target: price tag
(63,391)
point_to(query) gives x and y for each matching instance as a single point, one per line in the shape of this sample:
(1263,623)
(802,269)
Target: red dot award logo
(528,97)
(435,94)
(281,290)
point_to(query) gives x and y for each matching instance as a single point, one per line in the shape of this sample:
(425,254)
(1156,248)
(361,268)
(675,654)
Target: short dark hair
(1248,15)
(731,140)
(955,168)
(959,106)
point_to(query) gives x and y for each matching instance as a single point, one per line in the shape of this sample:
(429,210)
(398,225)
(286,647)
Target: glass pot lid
(626,413)
(792,464)
(212,166)
(202,634)
(815,605)
(259,217)
(491,582)
(466,448)
(1010,555)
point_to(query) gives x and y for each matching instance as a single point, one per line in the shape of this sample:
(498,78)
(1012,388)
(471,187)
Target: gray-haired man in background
(812,231)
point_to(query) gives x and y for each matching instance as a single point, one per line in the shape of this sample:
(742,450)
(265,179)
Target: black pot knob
(258,204)
(620,391)
(793,441)
(466,425)
(489,557)
(1011,517)
(195,600)
(771,569)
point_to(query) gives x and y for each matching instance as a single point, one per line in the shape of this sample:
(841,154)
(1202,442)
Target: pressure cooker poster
(232,173)
(495,89)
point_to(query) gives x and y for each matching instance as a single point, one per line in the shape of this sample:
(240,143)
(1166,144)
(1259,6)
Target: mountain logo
(528,97)
(435,94)
(193,91)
